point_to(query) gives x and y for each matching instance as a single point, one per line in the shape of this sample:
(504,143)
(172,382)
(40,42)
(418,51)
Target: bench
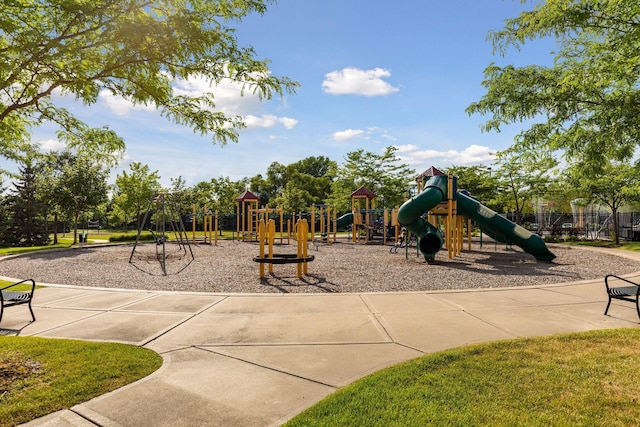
(626,293)
(11,298)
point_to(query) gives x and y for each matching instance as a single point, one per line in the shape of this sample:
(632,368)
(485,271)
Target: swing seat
(159,240)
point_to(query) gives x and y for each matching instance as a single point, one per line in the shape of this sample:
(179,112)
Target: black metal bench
(626,293)
(12,298)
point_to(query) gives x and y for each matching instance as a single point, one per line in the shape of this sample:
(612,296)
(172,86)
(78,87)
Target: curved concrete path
(258,360)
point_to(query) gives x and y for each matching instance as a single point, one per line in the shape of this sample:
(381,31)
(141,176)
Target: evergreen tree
(25,225)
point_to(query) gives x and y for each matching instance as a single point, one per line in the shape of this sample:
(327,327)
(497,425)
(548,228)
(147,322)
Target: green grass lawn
(566,380)
(39,376)
(19,288)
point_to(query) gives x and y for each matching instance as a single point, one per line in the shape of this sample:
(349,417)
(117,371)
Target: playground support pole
(450,223)
(193,226)
(261,234)
(303,231)
(272,233)
(335,224)
(215,231)
(313,223)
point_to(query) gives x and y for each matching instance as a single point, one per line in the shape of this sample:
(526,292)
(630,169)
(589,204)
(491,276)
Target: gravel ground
(340,267)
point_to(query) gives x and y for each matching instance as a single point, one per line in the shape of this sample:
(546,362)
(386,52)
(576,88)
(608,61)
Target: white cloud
(406,148)
(347,134)
(52,145)
(121,106)
(268,121)
(288,122)
(353,81)
(228,96)
(474,154)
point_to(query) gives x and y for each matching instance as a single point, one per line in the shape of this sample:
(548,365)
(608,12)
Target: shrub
(144,236)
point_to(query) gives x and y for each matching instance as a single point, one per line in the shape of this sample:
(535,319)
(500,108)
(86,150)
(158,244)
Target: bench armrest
(606,282)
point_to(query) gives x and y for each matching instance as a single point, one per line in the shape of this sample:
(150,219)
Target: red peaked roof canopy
(432,171)
(247,195)
(363,192)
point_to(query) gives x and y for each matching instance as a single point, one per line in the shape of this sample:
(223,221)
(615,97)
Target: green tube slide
(494,225)
(410,216)
(503,230)
(344,221)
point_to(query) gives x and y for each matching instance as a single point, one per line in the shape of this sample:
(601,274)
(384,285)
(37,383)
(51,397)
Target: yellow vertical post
(272,234)
(205,224)
(215,230)
(281,224)
(210,225)
(238,216)
(261,234)
(193,226)
(301,243)
(313,223)
(304,249)
(303,231)
(322,212)
(469,233)
(335,224)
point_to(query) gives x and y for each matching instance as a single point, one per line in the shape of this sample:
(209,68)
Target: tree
(588,101)
(83,186)
(310,179)
(294,199)
(51,168)
(225,193)
(479,181)
(135,49)
(5,215)
(313,175)
(383,174)
(26,226)
(181,195)
(612,184)
(521,179)
(316,166)
(133,191)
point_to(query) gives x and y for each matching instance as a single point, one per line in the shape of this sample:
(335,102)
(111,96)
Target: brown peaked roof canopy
(247,195)
(363,192)
(432,171)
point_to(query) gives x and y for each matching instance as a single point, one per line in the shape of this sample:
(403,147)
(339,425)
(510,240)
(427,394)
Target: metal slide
(492,224)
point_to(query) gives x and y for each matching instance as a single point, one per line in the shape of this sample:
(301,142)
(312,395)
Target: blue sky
(373,73)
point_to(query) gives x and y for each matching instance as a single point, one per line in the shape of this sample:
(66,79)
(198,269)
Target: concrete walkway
(258,360)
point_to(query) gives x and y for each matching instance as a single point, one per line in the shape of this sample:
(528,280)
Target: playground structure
(436,188)
(210,226)
(245,204)
(249,215)
(266,236)
(365,220)
(165,220)
(327,217)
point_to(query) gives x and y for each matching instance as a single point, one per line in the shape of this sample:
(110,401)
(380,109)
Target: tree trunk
(55,228)
(75,227)
(616,237)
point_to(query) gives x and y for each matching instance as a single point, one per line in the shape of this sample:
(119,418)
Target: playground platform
(258,360)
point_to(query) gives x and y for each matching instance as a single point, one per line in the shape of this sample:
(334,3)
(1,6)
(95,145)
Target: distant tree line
(64,189)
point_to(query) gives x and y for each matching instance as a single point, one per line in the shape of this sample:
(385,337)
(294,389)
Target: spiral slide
(492,224)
